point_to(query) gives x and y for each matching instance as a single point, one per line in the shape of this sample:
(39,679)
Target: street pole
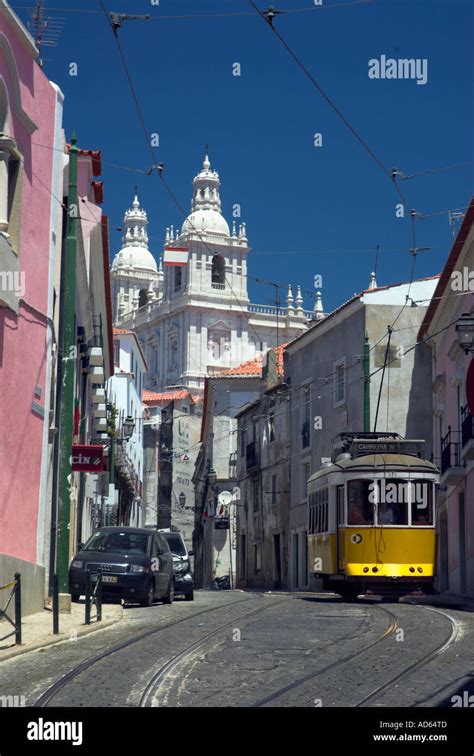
(68,355)
(366,385)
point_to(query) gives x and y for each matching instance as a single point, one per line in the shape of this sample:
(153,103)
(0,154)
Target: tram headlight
(366,569)
(412,569)
(420,569)
(375,569)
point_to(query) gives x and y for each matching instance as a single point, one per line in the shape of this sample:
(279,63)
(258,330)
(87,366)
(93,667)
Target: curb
(61,638)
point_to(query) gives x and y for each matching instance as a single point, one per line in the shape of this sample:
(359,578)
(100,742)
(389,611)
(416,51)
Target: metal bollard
(18,609)
(88,597)
(99,597)
(55,605)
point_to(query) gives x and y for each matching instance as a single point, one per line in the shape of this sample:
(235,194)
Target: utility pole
(68,357)
(366,384)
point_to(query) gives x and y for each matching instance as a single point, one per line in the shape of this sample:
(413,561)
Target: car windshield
(176,545)
(119,541)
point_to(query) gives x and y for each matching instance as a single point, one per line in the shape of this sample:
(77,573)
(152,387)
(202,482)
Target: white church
(196,320)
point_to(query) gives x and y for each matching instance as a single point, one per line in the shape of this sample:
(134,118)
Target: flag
(175,256)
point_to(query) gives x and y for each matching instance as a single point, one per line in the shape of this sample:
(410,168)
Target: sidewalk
(37,629)
(445,600)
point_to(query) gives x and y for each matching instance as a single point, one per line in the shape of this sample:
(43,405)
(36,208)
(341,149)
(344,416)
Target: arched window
(142,298)
(218,270)
(4,109)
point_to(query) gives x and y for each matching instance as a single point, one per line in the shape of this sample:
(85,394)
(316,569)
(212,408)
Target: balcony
(98,396)
(219,286)
(467,433)
(96,375)
(96,356)
(100,410)
(251,461)
(452,468)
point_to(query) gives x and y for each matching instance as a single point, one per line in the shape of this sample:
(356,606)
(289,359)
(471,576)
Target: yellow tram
(371,522)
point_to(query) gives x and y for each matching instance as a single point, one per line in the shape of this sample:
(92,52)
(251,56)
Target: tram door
(340,528)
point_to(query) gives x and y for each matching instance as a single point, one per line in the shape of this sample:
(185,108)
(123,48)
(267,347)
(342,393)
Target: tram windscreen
(360,511)
(390,500)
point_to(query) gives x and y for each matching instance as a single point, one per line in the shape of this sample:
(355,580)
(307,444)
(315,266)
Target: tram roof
(378,462)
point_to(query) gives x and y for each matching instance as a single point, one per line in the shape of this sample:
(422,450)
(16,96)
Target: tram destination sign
(386,446)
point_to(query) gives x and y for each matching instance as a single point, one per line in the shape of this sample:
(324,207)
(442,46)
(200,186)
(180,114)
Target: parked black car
(136,565)
(183,577)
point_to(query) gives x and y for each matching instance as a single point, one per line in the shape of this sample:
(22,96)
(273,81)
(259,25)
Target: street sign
(221,523)
(87,458)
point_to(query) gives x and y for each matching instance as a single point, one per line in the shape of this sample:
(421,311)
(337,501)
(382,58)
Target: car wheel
(189,596)
(75,597)
(148,600)
(168,599)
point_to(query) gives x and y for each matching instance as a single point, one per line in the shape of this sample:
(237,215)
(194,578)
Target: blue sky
(308,210)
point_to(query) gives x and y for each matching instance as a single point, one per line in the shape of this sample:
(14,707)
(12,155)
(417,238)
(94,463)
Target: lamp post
(182,500)
(465,332)
(128,426)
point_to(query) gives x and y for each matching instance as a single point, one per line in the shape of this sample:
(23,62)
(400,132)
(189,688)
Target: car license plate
(105,578)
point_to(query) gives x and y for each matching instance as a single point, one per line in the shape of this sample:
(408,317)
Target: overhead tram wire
(158,166)
(184,16)
(391,174)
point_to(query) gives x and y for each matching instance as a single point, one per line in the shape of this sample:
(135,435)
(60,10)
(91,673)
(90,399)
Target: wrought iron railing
(15,593)
(467,426)
(450,450)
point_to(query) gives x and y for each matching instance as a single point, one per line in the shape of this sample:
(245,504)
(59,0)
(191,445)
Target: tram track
(159,679)
(391,628)
(387,685)
(440,649)
(150,692)
(47,695)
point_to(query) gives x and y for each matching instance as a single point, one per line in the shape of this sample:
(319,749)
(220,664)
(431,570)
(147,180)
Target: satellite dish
(225,498)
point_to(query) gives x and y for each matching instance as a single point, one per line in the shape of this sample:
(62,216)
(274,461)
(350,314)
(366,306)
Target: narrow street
(257,649)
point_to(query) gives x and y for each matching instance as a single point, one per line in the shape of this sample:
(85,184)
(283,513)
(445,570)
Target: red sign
(87,458)
(470,387)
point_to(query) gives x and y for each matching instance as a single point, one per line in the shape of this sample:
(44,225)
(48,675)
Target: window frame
(336,368)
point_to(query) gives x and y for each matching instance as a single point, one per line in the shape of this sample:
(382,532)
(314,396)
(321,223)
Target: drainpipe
(366,385)
(67,388)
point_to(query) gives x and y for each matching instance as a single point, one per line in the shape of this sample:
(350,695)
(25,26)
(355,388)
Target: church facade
(196,320)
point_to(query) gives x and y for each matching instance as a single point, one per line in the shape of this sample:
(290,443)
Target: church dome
(135,253)
(205,215)
(135,257)
(210,221)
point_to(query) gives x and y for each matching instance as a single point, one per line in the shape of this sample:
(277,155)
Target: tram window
(360,509)
(422,503)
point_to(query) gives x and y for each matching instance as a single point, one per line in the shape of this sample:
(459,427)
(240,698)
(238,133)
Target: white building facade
(124,392)
(195,321)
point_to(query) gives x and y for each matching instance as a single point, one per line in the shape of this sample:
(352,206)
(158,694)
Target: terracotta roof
(250,369)
(152,397)
(120,330)
(253,368)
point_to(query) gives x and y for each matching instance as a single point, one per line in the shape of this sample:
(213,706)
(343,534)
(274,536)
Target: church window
(142,298)
(178,278)
(218,270)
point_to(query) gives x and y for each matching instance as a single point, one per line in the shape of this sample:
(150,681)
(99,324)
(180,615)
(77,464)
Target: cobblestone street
(256,649)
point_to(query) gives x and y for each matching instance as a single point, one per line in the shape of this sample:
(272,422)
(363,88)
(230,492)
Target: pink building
(453,422)
(31,171)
